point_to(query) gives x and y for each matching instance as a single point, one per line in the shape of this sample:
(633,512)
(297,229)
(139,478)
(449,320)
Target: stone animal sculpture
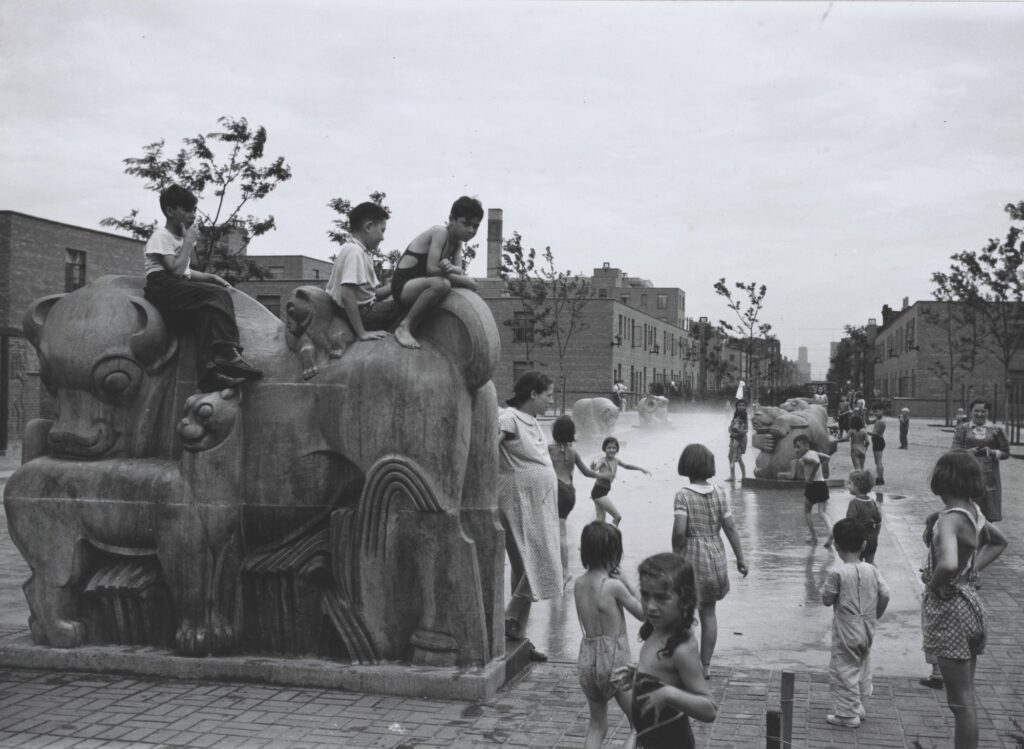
(352,515)
(775,428)
(594,417)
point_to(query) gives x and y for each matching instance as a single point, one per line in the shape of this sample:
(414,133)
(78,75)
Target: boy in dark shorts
(202,301)
(808,464)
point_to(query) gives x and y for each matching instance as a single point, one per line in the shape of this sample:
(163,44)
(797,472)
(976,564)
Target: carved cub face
(103,352)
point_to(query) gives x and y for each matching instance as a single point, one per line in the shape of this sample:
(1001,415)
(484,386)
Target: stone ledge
(787,484)
(460,684)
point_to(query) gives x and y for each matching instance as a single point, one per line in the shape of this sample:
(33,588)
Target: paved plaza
(771,621)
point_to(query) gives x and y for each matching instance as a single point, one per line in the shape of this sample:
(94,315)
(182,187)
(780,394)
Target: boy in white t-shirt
(197,300)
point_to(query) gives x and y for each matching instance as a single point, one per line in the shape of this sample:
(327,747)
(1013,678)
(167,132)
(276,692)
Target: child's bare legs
(813,537)
(828,522)
(708,635)
(858,461)
(421,295)
(809,518)
(743,468)
(605,504)
(624,697)
(958,676)
(598,724)
(564,549)
(879,468)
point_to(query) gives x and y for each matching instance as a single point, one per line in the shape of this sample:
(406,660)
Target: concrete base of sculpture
(461,684)
(786,484)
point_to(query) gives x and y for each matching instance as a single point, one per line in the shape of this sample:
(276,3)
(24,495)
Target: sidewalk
(543,708)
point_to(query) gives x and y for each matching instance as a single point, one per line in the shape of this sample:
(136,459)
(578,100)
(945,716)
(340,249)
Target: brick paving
(543,707)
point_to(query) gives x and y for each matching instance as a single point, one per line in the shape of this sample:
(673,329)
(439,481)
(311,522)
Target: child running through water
(859,596)
(601,594)
(609,464)
(701,514)
(738,428)
(668,685)
(864,510)
(815,489)
(953,619)
(564,458)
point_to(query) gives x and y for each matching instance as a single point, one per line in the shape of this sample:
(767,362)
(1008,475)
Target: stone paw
(310,372)
(59,634)
(207,639)
(335,353)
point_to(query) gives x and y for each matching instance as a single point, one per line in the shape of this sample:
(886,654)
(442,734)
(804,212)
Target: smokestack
(494,239)
(906,302)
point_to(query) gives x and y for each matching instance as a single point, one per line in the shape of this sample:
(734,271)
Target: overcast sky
(838,153)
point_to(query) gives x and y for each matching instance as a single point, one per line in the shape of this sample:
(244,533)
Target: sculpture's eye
(116,377)
(205,411)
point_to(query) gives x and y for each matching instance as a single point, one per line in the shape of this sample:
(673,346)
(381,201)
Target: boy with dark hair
(808,464)
(859,596)
(353,284)
(432,266)
(201,300)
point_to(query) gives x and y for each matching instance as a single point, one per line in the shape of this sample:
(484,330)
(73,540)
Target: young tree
(532,323)
(384,262)
(748,328)
(958,326)
(848,365)
(567,295)
(229,162)
(989,281)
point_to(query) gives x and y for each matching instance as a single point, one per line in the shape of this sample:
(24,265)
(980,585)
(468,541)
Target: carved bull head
(103,353)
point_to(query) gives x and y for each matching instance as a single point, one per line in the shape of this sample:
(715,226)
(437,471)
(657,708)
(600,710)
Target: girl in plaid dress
(952,615)
(701,514)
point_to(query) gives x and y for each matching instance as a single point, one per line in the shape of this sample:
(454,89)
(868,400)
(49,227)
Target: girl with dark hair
(601,594)
(527,502)
(953,619)
(738,428)
(989,444)
(609,466)
(564,458)
(701,514)
(668,687)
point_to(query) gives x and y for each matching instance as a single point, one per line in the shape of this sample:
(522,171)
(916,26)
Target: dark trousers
(903,434)
(194,306)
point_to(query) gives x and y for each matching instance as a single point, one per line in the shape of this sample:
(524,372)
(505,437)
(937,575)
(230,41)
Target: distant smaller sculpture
(315,327)
(653,410)
(775,428)
(595,417)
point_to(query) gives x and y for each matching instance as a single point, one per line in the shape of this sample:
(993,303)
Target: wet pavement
(769,621)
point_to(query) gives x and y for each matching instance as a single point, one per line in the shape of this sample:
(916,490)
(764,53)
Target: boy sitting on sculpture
(201,299)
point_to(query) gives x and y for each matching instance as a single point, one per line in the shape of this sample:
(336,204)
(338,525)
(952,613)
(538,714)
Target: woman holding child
(527,502)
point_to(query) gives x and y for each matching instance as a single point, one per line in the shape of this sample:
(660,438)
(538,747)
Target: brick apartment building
(912,362)
(283,274)
(39,257)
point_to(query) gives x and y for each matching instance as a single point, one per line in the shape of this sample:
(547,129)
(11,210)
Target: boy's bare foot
(404,337)
(811,541)
(828,544)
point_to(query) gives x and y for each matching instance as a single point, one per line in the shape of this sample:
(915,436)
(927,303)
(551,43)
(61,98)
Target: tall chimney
(494,228)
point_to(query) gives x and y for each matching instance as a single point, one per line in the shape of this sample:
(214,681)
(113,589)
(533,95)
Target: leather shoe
(537,657)
(236,366)
(213,380)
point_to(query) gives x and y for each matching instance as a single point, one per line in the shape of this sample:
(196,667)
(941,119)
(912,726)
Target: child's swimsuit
(602,487)
(667,729)
(566,499)
(402,276)
(599,656)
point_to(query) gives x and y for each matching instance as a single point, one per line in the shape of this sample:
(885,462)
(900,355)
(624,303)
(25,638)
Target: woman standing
(989,445)
(528,502)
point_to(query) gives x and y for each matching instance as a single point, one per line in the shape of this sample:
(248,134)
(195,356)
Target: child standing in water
(859,596)
(668,686)
(866,511)
(564,458)
(701,514)
(601,594)
(815,488)
(953,619)
(878,445)
(738,428)
(858,442)
(609,464)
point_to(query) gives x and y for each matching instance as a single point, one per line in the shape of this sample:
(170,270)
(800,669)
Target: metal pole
(773,729)
(5,378)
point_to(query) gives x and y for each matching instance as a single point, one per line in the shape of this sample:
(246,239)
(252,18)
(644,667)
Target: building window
(316,273)
(625,298)
(662,301)
(522,328)
(643,300)
(74,269)
(602,293)
(272,303)
(272,272)
(910,334)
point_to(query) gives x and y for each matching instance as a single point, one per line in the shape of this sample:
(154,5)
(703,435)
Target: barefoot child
(738,428)
(866,511)
(859,596)
(432,265)
(610,465)
(878,445)
(953,619)
(668,687)
(601,595)
(815,488)
(701,514)
(858,441)
(564,457)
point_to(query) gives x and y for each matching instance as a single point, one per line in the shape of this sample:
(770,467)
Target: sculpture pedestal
(442,683)
(787,484)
